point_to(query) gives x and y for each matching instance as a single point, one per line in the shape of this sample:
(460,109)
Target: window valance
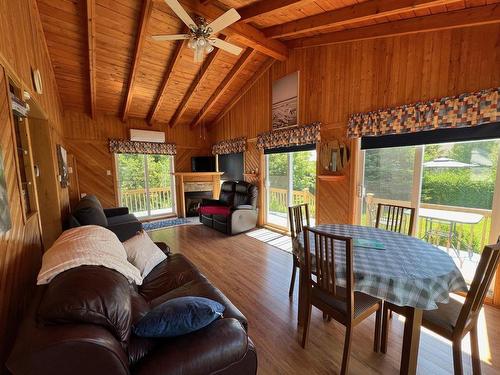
(459,111)
(294,136)
(123,146)
(231,146)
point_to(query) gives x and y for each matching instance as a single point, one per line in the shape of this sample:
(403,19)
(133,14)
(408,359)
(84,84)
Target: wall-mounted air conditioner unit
(146,136)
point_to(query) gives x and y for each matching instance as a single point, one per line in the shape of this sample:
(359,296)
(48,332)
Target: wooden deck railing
(474,236)
(279,199)
(136,199)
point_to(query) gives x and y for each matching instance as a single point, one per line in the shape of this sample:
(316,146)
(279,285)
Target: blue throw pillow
(179,316)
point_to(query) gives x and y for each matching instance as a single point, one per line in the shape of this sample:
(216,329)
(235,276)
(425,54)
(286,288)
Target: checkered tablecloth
(407,272)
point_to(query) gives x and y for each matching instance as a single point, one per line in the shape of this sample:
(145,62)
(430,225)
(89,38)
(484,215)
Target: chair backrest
(297,214)
(324,275)
(485,272)
(395,218)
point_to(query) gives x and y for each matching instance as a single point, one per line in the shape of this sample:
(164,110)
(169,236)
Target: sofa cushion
(90,212)
(245,194)
(227,192)
(143,253)
(170,274)
(178,317)
(89,294)
(211,350)
(120,219)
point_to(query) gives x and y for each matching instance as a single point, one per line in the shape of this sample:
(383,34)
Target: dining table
(394,267)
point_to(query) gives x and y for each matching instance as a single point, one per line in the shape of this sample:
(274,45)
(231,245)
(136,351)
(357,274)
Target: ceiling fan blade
(161,38)
(181,12)
(228,18)
(228,47)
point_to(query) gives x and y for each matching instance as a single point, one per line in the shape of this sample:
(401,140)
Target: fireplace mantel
(181,178)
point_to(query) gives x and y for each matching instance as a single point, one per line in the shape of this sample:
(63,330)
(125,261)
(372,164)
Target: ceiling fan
(200,33)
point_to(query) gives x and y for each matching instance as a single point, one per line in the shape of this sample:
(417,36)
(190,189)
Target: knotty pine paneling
(87,140)
(20,247)
(22,48)
(338,80)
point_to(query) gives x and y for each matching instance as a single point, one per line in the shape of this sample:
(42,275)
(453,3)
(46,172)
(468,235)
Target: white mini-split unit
(147,136)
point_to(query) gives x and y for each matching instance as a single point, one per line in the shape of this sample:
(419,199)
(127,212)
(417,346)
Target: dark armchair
(235,211)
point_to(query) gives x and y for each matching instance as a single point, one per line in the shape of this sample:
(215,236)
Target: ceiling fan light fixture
(199,36)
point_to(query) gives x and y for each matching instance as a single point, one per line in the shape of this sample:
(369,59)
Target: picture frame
(62,160)
(285,102)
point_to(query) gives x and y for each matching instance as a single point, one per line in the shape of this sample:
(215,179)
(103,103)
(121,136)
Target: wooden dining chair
(453,320)
(323,291)
(394,218)
(297,214)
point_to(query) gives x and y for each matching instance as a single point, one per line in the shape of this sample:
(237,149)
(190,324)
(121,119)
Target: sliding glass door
(145,184)
(454,188)
(290,180)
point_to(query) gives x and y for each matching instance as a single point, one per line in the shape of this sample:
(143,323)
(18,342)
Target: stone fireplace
(192,187)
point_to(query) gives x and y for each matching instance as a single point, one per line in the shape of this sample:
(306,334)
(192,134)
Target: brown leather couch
(81,323)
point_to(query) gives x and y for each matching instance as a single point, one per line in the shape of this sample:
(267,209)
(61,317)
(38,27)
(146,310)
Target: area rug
(272,238)
(168,223)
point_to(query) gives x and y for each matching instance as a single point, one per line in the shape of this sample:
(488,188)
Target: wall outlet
(108,172)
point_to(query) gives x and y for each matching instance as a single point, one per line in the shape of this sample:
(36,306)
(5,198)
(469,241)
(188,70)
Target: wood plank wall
(22,47)
(338,80)
(87,140)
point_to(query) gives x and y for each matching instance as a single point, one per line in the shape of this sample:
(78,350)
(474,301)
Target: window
(146,184)
(291,180)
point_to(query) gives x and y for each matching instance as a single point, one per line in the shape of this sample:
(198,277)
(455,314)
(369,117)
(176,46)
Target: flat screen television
(232,166)
(203,164)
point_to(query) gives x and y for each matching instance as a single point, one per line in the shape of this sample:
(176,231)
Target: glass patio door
(290,180)
(145,184)
(454,188)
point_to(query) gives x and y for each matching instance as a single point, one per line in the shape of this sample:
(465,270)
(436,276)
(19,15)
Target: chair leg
(457,357)
(306,322)
(476,358)
(378,325)
(347,351)
(385,328)
(294,272)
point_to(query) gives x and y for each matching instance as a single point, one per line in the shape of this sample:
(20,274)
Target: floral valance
(294,136)
(123,146)
(464,110)
(231,146)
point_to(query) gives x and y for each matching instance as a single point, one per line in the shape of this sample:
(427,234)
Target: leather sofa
(89,211)
(235,211)
(64,331)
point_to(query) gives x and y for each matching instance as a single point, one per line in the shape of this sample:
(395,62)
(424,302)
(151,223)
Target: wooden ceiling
(105,60)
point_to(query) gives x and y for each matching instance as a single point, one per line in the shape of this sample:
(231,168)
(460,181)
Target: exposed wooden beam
(224,85)
(178,53)
(91,53)
(459,18)
(249,12)
(147,7)
(199,77)
(259,73)
(355,13)
(244,33)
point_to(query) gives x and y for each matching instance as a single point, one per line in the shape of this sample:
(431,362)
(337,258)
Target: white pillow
(143,253)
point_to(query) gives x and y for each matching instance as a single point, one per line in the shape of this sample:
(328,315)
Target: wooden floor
(255,276)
